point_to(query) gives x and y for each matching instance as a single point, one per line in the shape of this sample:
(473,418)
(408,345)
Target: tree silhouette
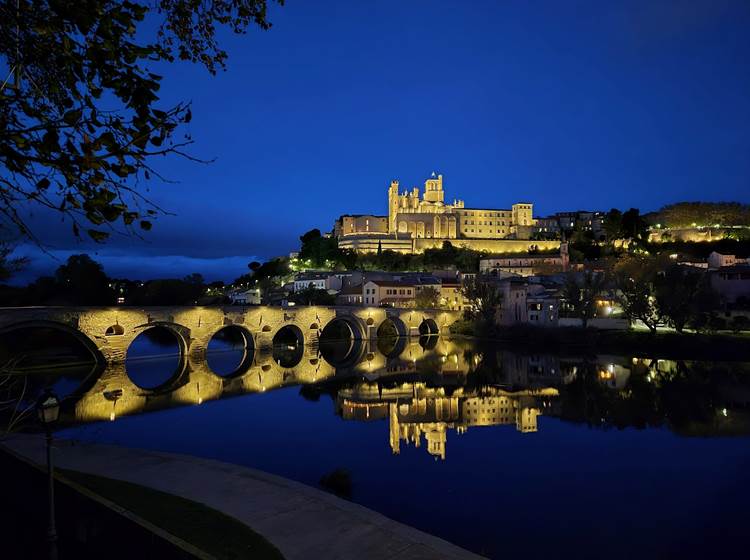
(80,118)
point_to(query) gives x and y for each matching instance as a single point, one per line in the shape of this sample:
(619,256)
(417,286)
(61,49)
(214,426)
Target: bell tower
(393,203)
(433,189)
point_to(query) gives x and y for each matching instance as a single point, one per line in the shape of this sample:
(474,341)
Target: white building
(245,297)
(330,281)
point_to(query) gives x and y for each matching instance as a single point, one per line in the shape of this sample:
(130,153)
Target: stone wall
(499,246)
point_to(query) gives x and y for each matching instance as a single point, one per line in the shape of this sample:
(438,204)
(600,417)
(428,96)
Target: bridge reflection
(110,392)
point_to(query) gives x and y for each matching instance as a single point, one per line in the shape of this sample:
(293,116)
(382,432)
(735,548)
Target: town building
(513,309)
(395,293)
(581,220)
(732,283)
(416,222)
(718,260)
(452,295)
(542,307)
(350,295)
(546,228)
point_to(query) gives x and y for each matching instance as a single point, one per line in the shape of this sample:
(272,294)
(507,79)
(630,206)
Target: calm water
(500,452)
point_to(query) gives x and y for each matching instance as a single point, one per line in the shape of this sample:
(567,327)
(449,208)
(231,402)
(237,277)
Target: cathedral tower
(393,204)
(433,189)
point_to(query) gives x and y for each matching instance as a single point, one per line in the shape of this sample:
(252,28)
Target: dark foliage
(80,119)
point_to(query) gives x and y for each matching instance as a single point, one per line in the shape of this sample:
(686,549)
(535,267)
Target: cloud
(123,264)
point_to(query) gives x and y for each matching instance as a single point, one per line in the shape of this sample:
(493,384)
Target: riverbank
(662,344)
(300,521)
(188,521)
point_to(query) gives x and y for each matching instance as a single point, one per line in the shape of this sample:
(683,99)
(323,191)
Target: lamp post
(48,410)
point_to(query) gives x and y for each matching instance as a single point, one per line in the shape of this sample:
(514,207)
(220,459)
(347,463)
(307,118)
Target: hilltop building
(417,222)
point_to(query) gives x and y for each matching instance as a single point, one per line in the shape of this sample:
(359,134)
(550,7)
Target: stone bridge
(107,332)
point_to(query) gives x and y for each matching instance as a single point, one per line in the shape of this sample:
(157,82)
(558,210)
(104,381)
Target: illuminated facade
(416,222)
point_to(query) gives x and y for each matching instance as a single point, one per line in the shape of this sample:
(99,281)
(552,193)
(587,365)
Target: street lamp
(48,411)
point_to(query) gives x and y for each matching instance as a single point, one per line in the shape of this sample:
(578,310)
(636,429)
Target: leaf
(72,117)
(145,225)
(43,184)
(98,236)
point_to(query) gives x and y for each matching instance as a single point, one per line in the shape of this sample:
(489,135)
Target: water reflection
(423,388)
(415,410)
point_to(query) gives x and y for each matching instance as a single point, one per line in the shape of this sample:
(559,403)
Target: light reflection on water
(486,447)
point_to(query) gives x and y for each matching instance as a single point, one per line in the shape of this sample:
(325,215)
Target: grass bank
(209,530)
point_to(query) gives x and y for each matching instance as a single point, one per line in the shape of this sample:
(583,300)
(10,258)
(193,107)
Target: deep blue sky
(570,105)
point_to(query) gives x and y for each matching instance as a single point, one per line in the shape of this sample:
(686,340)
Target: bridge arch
(428,327)
(332,330)
(392,326)
(288,345)
(88,344)
(236,336)
(163,332)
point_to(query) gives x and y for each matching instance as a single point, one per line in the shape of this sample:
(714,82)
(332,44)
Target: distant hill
(689,214)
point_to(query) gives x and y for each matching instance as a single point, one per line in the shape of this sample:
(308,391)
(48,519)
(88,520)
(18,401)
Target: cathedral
(416,222)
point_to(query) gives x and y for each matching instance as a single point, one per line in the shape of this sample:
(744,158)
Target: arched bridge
(108,331)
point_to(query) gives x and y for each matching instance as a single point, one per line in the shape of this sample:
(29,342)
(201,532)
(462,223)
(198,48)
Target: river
(501,452)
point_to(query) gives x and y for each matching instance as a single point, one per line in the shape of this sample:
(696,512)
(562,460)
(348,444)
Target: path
(302,522)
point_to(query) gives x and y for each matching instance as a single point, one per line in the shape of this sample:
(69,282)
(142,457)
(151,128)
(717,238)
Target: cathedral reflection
(415,410)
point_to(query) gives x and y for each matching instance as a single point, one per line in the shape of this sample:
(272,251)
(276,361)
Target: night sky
(569,105)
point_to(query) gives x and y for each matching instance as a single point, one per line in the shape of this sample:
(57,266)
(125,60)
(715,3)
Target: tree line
(691,214)
(82,281)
